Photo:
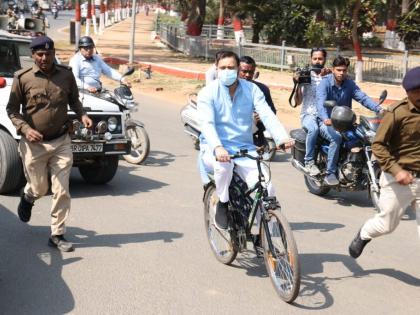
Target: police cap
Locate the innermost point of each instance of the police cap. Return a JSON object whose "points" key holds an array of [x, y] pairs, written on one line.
{"points": [[411, 80], [42, 42]]}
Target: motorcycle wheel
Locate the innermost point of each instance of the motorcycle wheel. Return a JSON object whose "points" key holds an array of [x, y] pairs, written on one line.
{"points": [[316, 187], [140, 144]]}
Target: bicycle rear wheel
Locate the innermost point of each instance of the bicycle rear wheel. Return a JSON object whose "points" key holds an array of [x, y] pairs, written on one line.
{"points": [[283, 266], [221, 242]]}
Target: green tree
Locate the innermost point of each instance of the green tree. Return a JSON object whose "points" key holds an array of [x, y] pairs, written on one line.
{"points": [[408, 26]]}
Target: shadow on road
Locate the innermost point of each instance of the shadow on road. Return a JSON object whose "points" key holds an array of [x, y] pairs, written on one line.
{"points": [[31, 279], [159, 158], [125, 183], [314, 292], [323, 227]]}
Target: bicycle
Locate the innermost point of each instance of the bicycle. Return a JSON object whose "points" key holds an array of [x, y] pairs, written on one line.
{"points": [[277, 241]]}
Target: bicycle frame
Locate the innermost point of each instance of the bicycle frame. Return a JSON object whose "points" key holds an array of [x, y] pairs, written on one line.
{"points": [[261, 193]]}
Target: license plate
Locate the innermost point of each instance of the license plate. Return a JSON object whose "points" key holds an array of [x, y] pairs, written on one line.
{"points": [[87, 147]]}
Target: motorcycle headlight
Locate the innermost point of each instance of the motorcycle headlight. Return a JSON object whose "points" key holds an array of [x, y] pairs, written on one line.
{"points": [[112, 123]]}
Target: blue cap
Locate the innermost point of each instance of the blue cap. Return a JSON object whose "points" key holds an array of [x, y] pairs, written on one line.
{"points": [[411, 79], [42, 42]]}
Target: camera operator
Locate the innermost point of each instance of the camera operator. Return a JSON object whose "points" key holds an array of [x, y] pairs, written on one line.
{"points": [[308, 80]]}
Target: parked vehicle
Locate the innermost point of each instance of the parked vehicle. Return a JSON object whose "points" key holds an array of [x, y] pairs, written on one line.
{"points": [[96, 151], [357, 168], [189, 119]]}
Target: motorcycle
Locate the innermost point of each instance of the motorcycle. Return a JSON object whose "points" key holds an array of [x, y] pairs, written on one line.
{"points": [[189, 118], [357, 168], [135, 130]]}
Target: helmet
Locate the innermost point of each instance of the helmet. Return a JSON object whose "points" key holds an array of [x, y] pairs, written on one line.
{"points": [[86, 41], [342, 118]]}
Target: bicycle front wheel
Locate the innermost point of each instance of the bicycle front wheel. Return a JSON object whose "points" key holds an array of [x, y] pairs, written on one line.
{"points": [[221, 242], [282, 261]]}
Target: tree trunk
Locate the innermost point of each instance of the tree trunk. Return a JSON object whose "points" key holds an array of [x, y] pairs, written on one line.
{"points": [[196, 17], [221, 21], [405, 7], [356, 43]]}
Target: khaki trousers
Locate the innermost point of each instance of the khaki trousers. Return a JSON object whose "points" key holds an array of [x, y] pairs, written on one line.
{"points": [[49, 157], [394, 199]]}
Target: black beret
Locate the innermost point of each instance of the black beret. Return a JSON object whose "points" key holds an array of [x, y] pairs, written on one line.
{"points": [[411, 79], [42, 42]]}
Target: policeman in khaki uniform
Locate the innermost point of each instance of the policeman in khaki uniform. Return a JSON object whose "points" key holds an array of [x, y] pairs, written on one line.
{"points": [[44, 91], [397, 148]]}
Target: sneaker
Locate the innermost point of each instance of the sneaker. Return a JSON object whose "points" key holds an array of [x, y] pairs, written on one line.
{"points": [[312, 169], [256, 241], [331, 180], [357, 245], [60, 243], [24, 209], [220, 218]]}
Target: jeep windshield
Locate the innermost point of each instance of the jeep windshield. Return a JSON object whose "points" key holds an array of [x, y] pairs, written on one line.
{"points": [[14, 55]]}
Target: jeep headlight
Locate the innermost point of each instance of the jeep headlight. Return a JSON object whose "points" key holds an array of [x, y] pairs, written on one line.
{"points": [[112, 123]]}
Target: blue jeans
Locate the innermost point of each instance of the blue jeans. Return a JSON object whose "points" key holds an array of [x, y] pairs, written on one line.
{"points": [[334, 137], [310, 123]]}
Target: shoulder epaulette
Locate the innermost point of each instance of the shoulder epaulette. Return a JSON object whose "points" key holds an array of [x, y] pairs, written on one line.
{"points": [[63, 66], [394, 106], [19, 73]]}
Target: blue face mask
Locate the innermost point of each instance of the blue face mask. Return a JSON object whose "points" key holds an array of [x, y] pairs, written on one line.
{"points": [[227, 76]]}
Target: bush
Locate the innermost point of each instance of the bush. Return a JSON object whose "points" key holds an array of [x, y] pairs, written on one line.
{"points": [[372, 42], [317, 34]]}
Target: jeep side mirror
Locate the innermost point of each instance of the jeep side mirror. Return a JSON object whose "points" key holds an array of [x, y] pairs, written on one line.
{"points": [[383, 96], [330, 104]]}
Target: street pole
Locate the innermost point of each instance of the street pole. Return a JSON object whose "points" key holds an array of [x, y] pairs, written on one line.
{"points": [[133, 32], [77, 24]]}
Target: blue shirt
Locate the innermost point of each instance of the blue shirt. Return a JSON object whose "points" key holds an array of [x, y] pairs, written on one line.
{"points": [[88, 71], [228, 122], [343, 95]]}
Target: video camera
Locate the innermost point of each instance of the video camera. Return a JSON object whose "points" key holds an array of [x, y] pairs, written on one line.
{"points": [[305, 73]]}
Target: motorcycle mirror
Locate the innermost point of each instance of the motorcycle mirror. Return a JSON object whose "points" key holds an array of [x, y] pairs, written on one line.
{"points": [[330, 104], [383, 96], [130, 71]]}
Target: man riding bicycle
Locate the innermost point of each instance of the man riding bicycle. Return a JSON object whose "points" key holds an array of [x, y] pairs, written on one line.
{"points": [[225, 112], [87, 67], [339, 88]]}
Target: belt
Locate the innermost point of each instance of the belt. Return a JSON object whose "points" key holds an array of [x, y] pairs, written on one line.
{"points": [[50, 138]]}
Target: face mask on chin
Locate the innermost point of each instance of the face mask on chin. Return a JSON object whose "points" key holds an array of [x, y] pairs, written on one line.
{"points": [[227, 76]]}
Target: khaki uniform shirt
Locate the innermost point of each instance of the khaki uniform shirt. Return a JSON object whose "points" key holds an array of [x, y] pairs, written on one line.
{"points": [[44, 99], [397, 141]]}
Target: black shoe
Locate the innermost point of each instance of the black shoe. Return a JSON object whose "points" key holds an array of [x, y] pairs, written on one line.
{"points": [[60, 243], [357, 245], [220, 218], [256, 241], [24, 209]]}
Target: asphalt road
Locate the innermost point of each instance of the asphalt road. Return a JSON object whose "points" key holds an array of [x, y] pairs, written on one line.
{"points": [[141, 247]]}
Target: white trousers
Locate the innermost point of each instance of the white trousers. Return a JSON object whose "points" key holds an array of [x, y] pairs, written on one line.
{"points": [[223, 171], [394, 199], [239, 37]]}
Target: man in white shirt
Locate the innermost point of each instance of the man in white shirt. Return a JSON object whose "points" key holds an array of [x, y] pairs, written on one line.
{"points": [[87, 67]]}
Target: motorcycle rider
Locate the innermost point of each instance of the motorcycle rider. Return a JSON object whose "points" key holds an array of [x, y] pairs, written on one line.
{"points": [[247, 67], [306, 93], [225, 113], [211, 73], [87, 67], [11, 22], [39, 14], [339, 88], [397, 149]]}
